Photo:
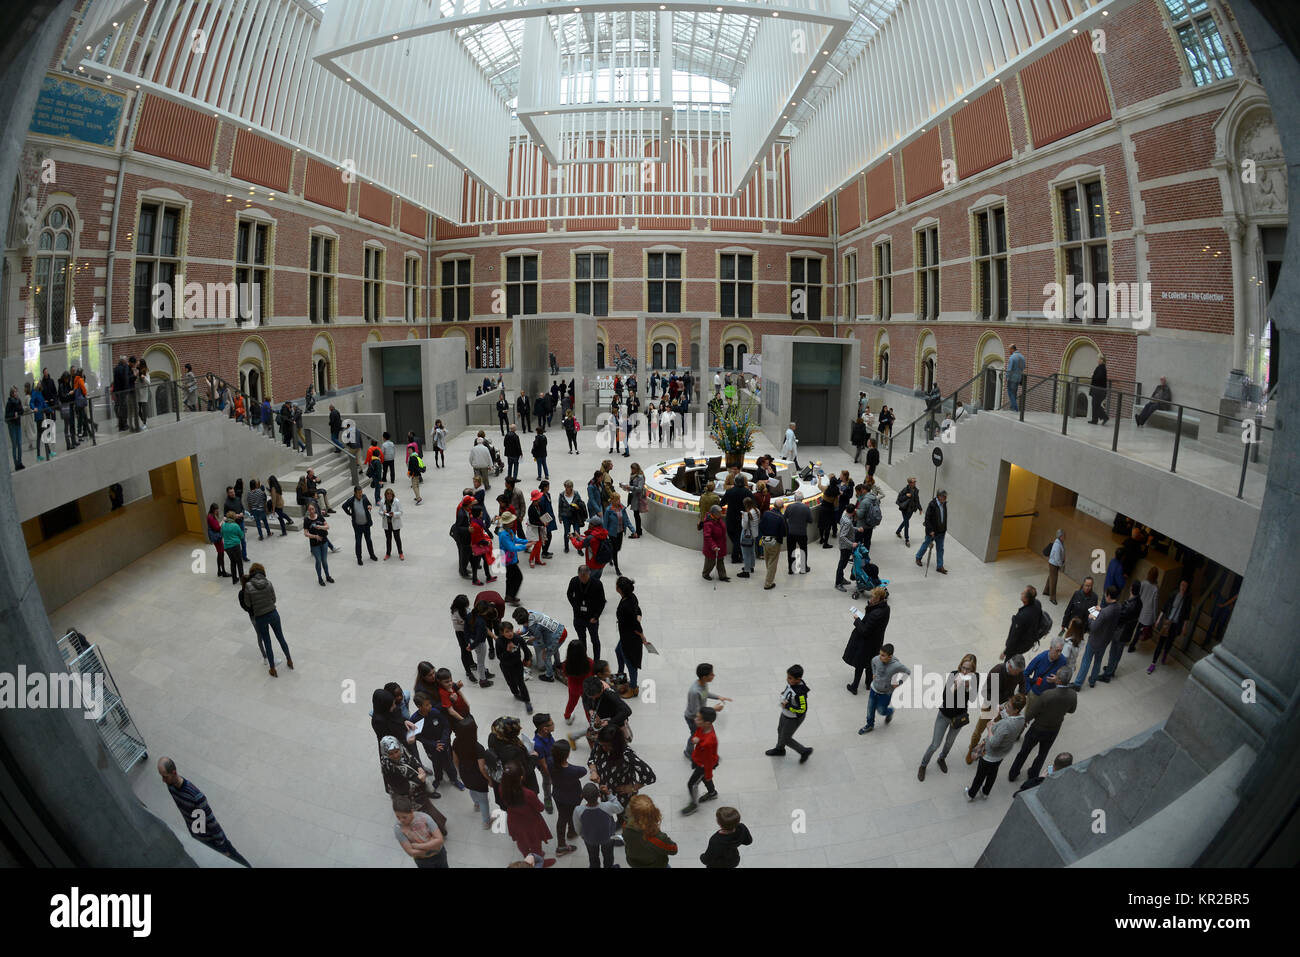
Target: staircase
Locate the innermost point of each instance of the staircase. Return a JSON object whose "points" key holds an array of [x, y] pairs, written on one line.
{"points": [[332, 474]]}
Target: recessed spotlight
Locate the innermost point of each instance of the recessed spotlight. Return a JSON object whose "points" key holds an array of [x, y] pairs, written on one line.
{"points": [[429, 165], [997, 79], [1075, 30], [814, 72], [826, 53], [394, 36], [1105, 13], [348, 80], [776, 13]]}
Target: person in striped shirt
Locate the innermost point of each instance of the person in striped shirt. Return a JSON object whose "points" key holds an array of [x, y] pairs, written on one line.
{"points": [[192, 803]]}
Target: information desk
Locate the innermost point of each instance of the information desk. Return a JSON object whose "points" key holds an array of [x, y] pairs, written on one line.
{"points": [[672, 513]]}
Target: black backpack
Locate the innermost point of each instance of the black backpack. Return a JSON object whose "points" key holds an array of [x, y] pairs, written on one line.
{"points": [[1044, 627], [604, 553]]}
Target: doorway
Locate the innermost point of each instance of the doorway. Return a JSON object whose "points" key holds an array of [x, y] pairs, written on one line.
{"points": [[810, 409], [408, 413], [1018, 509]]}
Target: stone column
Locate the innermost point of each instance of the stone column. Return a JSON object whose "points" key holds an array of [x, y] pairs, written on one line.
{"points": [[642, 366], [1236, 231]]}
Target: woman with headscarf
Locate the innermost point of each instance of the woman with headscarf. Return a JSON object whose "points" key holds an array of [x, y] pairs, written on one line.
{"points": [[404, 777], [386, 720]]}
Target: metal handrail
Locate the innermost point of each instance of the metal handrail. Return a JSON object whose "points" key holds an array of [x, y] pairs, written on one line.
{"points": [[929, 413]]}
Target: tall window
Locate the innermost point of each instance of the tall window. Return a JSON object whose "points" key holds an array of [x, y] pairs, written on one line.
{"points": [[455, 289], [54, 277], [736, 286], [372, 285], [411, 296], [521, 285], [591, 283], [320, 281], [805, 288], [733, 355], [927, 273], [883, 284], [600, 355], [850, 310], [252, 254], [991, 262], [157, 260], [663, 282], [1199, 35], [657, 356], [1084, 251]]}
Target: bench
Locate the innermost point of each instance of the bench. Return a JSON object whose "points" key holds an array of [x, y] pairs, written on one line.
{"points": [[1168, 422]]}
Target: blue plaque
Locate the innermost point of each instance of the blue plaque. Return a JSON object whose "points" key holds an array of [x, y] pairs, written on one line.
{"points": [[77, 111]]}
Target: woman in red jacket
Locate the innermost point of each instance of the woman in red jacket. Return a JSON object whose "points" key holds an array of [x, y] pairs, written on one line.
{"points": [[480, 547], [715, 544]]}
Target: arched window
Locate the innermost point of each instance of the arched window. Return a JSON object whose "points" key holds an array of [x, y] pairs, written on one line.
{"points": [[322, 376], [741, 352], [670, 355], [54, 275], [927, 374], [600, 355], [657, 356], [728, 356], [884, 365], [253, 384]]}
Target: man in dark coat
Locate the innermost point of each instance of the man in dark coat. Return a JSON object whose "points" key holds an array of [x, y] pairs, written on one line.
{"points": [[503, 413], [1081, 602], [936, 529], [1129, 610], [867, 637], [1099, 636], [1100, 383], [1026, 624], [514, 451], [521, 412], [734, 502]]}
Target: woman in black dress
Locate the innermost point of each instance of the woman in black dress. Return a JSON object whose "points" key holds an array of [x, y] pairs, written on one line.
{"points": [[631, 638], [616, 766]]}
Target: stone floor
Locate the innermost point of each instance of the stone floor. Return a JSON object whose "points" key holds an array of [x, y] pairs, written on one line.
{"points": [[289, 763]]}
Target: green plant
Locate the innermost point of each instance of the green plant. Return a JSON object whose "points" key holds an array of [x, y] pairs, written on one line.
{"points": [[733, 428]]}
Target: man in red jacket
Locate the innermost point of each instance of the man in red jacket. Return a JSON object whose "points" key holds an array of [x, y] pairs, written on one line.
{"points": [[715, 544], [704, 758]]}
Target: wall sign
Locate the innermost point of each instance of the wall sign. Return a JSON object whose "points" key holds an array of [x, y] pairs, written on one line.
{"points": [[78, 111]]}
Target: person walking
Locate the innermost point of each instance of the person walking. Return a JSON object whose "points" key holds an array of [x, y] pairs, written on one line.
{"points": [[631, 634], [996, 744], [522, 410], [503, 412], [573, 513], [1174, 617], [1055, 561], [438, 441], [1044, 714], [539, 454], [936, 529], [887, 673], [1026, 624], [514, 451], [704, 759], [480, 462], [511, 545], [571, 426], [909, 503], [316, 529], [749, 536], [255, 500], [858, 437], [259, 593], [480, 638], [959, 690], [1150, 595], [1003, 680], [1130, 611], [586, 597], [1097, 392], [415, 471], [794, 709], [867, 637], [715, 545], [392, 522], [615, 521], [194, 808], [1015, 377], [358, 509], [276, 497], [636, 498], [790, 446]]}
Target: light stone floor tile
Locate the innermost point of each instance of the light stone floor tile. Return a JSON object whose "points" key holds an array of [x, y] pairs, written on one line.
{"points": [[289, 763]]}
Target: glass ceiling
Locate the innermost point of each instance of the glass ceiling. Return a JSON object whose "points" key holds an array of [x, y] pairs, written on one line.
{"points": [[709, 49]]}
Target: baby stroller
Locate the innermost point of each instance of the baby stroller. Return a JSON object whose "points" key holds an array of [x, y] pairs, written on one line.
{"points": [[498, 463], [866, 575]]}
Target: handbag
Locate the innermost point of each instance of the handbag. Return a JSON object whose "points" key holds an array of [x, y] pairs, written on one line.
{"points": [[961, 720]]}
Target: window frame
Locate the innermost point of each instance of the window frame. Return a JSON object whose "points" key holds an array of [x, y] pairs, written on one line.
{"points": [[882, 282], [997, 262], [1212, 63], [43, 303], [669, 285], [523, 286], [849, 283], [593, 284], [374, 302], [260, 271], [814, 303], [155, 260], [462, 293], [739, 286], [411, 286], [322, 278], [926, 260], [1087, 244]]}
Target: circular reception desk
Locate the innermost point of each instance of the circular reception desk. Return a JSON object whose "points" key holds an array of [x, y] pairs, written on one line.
{"points": [[673, 507]]}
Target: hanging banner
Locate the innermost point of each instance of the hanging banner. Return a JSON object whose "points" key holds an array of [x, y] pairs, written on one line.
{"points": [[78, 111]]}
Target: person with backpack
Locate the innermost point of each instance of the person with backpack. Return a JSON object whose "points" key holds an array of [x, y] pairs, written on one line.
{"points": [[1028, 625], [868, 511], [596, 545], [571, 428], [909, 503], [415, 469]]}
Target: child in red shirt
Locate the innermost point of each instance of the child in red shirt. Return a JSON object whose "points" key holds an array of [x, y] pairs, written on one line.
{"points": [[704, 758]]}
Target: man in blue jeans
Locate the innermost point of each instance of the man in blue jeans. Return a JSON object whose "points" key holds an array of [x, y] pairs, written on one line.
{"points": [[1099, 636], [886, 674], [1015, 376], [936, 528]]}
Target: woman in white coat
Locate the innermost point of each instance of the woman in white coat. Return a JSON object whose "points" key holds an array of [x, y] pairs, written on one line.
{"points": [[142, 384], [392, 521], [790, 447]]}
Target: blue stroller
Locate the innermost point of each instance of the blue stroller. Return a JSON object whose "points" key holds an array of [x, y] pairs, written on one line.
{"points": [[866, 575]]}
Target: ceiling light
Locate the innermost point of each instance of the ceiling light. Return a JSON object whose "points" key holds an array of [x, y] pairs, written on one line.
{"points": [[348, 80], [776, 13], [814, 72], [1105, 13], [394, 36], [997, 79], [1075, 30], [429, 165]]}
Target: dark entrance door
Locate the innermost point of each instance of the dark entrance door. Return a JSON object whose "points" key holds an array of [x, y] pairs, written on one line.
{"points": [[408, 415], [810, 411], [989, 394]]}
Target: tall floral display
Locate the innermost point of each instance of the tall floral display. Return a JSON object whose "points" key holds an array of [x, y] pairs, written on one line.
{"points": [[733, 430]]}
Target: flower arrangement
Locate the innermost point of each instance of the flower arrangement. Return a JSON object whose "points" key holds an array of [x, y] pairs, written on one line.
{"points": [[733, 428]]}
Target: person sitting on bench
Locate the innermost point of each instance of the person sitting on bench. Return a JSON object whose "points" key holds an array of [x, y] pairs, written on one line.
{"points": [[1160, 399]]}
